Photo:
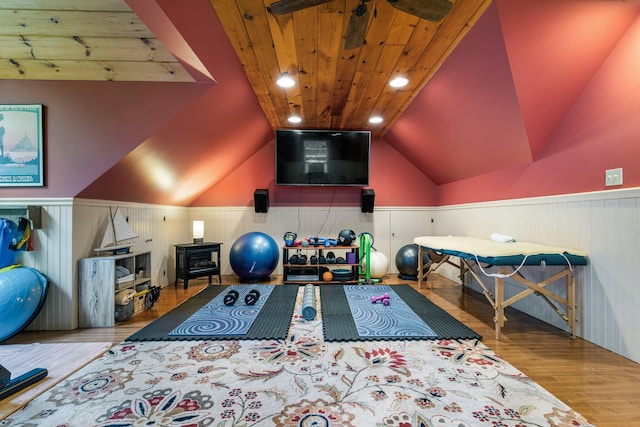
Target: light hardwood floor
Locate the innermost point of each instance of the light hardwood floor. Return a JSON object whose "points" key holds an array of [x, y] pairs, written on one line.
{"points": [[602, 386]]}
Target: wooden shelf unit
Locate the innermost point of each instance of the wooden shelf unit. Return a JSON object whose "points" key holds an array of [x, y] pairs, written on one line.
{"points": [[99, 284]]}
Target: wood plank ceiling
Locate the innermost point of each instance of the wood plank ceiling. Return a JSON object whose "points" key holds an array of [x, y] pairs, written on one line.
{"points": [[81, 40], [337, 88]]}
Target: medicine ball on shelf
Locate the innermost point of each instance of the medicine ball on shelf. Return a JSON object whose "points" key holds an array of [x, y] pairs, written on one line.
{"points": [[346, 237]]}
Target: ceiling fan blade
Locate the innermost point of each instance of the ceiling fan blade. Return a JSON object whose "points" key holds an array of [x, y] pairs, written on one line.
{"points": [[431, 10], [357, 30], [287, 6]]}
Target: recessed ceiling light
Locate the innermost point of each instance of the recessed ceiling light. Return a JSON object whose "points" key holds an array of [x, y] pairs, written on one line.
{"points": [[399, 82], [285, 81], [375, 120], [294, 119]]}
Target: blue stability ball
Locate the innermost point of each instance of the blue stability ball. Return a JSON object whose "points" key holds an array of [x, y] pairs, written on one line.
{"points": [[23, 291], [254, 256]]}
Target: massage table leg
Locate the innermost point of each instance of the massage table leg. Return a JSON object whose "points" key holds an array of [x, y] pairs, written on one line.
{"points": [[499, 307], [421, 274], [571, 305]]}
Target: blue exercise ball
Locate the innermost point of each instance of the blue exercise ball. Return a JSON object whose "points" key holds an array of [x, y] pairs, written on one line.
{"points": [[254, 256], [23, 291]]}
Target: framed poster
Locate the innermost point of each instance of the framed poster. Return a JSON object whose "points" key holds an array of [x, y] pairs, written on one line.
{"points": [[21, 146]]}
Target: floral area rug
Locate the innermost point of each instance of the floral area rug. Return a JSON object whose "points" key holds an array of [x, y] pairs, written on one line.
{"points": [[300, 381]]}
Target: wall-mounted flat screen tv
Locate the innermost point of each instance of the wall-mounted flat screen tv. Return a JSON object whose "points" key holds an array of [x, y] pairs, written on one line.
{"points": [[322, 157]]}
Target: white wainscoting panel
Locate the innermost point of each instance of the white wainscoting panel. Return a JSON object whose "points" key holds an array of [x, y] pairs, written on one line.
{"points": [[52, 256], [605, 225]]}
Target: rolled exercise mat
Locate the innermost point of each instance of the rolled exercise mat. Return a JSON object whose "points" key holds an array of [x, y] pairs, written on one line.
{"points": [[309, 302]]}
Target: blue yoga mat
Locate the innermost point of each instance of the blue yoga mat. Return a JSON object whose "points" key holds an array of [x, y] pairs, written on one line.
{"points": [[377, 320], [215, 318]]}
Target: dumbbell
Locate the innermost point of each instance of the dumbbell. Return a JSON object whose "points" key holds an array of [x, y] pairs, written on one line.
{"points": [[384, 299], [231, 297], [252, 297]]}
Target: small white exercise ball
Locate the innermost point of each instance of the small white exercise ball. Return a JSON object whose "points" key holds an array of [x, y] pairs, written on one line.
{"points": [[379, 264]]}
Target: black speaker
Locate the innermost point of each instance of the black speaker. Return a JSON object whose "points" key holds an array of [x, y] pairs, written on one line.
{"points": [[261, 200], [366, 199]]}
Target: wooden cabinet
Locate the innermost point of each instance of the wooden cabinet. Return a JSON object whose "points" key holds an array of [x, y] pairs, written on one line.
{"points": [[310, 271], [197, 260], [101, 277]]}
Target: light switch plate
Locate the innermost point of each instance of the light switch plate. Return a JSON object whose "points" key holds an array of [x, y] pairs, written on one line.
{"points": [[613, 177]]}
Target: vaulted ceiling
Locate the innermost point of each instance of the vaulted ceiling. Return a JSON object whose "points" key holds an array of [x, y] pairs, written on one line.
{"points": [[489, 85], [335, 87], [338, 87]]}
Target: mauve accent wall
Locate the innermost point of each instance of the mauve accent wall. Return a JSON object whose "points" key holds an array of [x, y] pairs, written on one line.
{"points": [[555, 78], [91, 126], [472, 134], [396, 182], [601, 131]]}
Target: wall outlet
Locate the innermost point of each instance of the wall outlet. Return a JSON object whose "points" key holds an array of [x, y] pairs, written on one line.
{"points": [[613, 177]]}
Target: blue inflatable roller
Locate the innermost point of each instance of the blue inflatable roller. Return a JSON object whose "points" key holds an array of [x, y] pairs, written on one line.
{"points": [[23, 291]]}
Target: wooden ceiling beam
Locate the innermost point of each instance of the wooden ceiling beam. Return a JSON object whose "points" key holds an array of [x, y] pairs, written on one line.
{"points": [[64, 23], [84, 48], [79, 5], [33, 69]]}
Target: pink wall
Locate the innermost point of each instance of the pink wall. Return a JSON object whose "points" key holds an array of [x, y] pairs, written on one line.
{"points": [[467, 120], [210, 137], [554, 49], [396, 182], [91, 126], [599, 132], [493, 124]]}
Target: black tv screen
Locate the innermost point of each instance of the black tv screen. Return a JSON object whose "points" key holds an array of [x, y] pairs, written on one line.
{"points": [[320, 157]]}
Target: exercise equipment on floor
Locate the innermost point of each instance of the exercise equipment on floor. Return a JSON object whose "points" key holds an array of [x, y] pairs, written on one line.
{"points": [[383, 299], [251, 298], [407, 262], [231, 297], [9, 386], [379, 264], [254, 256], [23, 291], [373, 264], [309, 302]]}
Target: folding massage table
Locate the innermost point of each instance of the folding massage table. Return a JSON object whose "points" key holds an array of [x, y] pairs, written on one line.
{"points": [[509, 257]]}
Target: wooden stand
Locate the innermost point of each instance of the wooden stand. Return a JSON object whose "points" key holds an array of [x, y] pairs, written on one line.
{"points": [[498, 302]]}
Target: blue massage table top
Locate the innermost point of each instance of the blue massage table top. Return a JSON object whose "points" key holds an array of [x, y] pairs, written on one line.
{"points": [[501, 253]]}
